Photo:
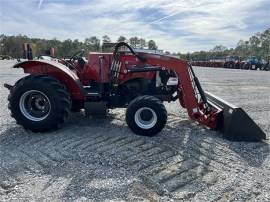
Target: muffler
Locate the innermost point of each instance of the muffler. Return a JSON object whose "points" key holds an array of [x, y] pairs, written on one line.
{"points": [[234, 122]]}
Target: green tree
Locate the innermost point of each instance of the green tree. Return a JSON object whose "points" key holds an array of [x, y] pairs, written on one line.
{"points": [[66, 48], [258, 45], [219, 48], [142, 43], [122, 39], [106, 39], [134, 41], [92, 43], [265, 43], [152, 45]]}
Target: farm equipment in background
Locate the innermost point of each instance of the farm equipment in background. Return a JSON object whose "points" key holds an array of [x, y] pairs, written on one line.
{"points": [[211, 63], [233, 62], [266, 64], [239, 63], [229, 62], [216, 63], [138, 81], [253, 63], [27, 51], [49, 54]]}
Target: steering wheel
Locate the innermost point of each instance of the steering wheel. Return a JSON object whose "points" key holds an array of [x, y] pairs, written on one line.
{"points": [[77, 55], [116, 51]]}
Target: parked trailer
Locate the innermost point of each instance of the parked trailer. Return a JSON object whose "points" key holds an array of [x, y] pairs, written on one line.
{"points": [[216, 64], [235, 62]]}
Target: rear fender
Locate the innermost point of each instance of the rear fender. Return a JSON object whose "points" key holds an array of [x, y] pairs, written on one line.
{"points": [[56, 70]]}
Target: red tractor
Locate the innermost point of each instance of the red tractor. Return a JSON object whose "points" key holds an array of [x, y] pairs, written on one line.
{"points": [[138, 81]]}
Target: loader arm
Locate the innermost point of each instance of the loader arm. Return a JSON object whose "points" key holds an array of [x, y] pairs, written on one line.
{"points": [[191, 95], [206, 108]]}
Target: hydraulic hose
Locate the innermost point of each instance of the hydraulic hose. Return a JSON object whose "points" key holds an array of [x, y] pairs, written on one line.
{"points": [[198, 85], [117, 46]]}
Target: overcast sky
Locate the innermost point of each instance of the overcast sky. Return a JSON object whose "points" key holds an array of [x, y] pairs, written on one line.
{"points": [[187, 25]]}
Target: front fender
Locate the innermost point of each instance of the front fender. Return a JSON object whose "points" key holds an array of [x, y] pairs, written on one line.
{"points": [[56, 70]]}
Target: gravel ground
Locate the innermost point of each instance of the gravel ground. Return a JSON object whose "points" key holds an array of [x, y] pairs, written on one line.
{"points": [[102, 160]]}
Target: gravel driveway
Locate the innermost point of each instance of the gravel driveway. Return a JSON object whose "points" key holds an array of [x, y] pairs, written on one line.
{"points": [[101, 159]]}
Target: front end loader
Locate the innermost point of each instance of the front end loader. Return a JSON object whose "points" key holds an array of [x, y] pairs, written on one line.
{"points": [[138, 81]]}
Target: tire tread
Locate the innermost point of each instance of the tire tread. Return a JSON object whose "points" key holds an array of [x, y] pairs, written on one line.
{"points": [[142, 101], [63, 102]]}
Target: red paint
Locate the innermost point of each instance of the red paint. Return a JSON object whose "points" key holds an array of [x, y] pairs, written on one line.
{"points": [[91, 71], [187, 96], [57, 70]]}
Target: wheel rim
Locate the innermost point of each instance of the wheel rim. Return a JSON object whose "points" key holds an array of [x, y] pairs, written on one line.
{"points": [[145, 118], [35, 105]]}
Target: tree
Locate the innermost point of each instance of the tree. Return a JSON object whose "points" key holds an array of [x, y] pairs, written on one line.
{"points": [[219, 48], [69, 47], [134, 41], [92, 43], [258, 45], [152, 45], [106, 39], [255, 44], [142, 43], [265, 43], [137, 42], [122, 39]]}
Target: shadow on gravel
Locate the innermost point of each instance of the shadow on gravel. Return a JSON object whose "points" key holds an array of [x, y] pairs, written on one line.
{"points": [[254, 154], [197, 141], [71, 162], [40, 169]]}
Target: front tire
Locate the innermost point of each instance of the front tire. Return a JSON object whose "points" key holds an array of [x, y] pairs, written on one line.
{"points": [[39, 103], [247, 66], [146, 115]]}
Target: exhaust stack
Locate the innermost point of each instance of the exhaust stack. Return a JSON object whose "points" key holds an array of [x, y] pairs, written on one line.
{"points": [[234, 122]]}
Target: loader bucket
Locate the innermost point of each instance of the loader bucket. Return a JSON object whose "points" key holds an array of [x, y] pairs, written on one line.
{"points": [[234, 122]]}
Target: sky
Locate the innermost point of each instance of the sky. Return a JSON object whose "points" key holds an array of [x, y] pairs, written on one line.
{"points": [[176, 25]]}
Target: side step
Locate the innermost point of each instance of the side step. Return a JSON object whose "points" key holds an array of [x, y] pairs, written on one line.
{"points": [[91, 93], [234, 122], [96, 109]]}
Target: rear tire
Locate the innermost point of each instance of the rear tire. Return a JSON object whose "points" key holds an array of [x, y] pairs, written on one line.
{"points": [[146, 115], [39, 103], [246, 66], [231, 65]]}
